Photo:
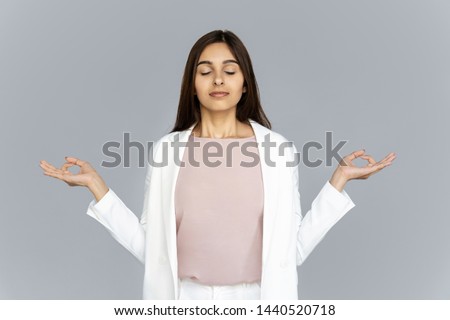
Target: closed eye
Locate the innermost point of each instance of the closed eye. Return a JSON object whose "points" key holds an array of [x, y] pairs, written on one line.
{"points": [[227, 72]]}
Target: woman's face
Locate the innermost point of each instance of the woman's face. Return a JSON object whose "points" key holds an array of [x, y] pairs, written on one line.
{"points": [[219, 82]]}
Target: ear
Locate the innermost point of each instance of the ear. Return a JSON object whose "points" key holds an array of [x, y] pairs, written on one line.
{"points": [[244, 89]]}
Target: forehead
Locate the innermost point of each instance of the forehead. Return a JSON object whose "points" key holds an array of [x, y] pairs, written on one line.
{"points": [[216, 52]]}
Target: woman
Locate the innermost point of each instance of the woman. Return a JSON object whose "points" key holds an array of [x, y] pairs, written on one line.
{"points": [[215, 231]]}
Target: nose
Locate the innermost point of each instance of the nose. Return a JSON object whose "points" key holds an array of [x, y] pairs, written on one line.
{"points": [[218, 81]]}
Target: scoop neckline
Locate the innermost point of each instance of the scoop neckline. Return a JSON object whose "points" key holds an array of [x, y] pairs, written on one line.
{"points": [[221, 139]]}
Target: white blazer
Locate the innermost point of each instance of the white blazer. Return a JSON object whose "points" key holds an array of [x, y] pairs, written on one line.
{"points": [[288, 238]]}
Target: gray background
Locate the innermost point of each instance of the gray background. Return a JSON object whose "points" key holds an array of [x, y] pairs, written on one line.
{"points": [[75, 74]]}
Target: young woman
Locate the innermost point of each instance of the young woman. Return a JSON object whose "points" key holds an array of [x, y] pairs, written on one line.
{"points": [[226, 227]]}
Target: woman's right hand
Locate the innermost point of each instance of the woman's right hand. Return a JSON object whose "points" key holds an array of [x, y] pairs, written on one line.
{"points": [[86, 177]]}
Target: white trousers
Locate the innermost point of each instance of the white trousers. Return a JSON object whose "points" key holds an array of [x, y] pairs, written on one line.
{"points": [[191, 290]]}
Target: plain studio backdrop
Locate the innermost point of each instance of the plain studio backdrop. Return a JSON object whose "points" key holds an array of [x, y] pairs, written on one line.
{"points": [[77, 74]]}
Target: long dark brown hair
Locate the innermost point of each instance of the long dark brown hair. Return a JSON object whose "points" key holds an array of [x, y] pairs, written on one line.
{"points": [[248, 107]]}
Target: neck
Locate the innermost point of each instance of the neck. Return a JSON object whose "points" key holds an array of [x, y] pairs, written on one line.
{"points": [[218, 125]]}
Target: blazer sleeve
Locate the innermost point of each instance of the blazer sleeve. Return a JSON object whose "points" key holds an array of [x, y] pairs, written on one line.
{"points": [[327, 209], [121, 222]]}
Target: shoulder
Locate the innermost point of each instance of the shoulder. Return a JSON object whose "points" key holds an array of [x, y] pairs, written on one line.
{"points": [[168, 137], [273, 136], [165, 139], [281, 148]]}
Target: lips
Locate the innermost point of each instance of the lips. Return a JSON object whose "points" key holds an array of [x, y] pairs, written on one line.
{"points": [[218, 94]]}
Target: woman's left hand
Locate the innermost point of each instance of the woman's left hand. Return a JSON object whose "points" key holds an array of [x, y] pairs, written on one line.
{"points": [[347, 171]]}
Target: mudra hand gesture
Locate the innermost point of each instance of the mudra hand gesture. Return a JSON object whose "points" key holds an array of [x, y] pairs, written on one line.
{"points": [[347, 170], [86, 177]]}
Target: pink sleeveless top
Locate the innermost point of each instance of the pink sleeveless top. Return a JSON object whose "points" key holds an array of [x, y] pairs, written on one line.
{"points": [[219, 211]]}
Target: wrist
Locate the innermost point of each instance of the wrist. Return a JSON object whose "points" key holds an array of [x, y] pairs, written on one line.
{"points": [[338, 180], [97, 187]]}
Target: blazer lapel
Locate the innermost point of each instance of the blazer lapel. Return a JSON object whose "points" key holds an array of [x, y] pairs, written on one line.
{"points": [[269, 177], [169, 182]]}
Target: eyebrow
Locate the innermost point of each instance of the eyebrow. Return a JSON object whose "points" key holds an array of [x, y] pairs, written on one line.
{"points": [[210, 63]]}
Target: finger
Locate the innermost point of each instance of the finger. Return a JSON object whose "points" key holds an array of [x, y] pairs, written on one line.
{"points": [[369, 170], [46, 164], [369, 158], [392, 160], [390, 157], [55, 171], [380, 165], [54, 175], [66, 165], [384, 162], [355, 154], [391, 154], [48, 167], [61, 177], [72, 160], [76, 161], [388, 163]]}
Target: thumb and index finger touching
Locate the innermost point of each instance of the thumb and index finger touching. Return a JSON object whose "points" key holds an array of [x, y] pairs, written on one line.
{"points": [[70, 161], [75, 161], [373, 164], [356, 154], [352, 156], [380, 164]]}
